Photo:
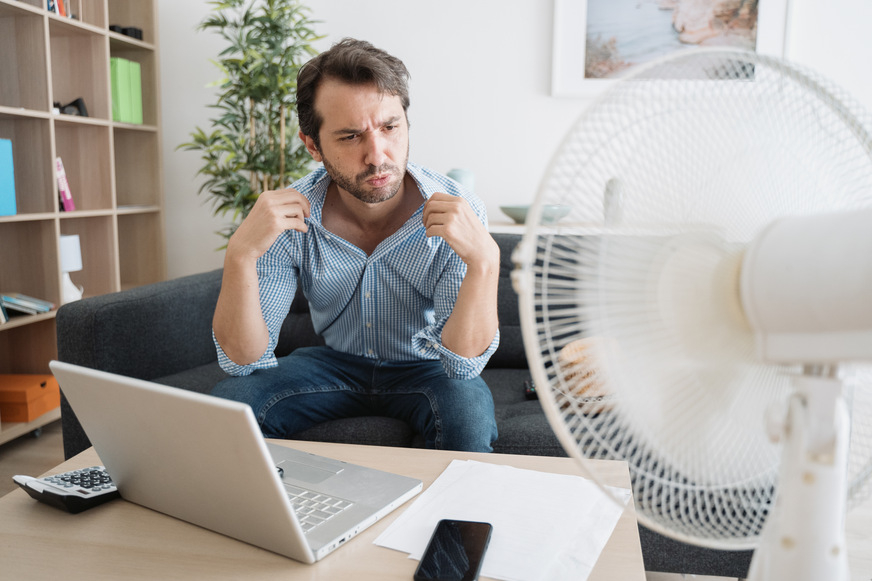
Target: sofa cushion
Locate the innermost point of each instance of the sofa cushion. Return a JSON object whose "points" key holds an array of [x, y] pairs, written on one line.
{"points": [[200, 379], [371, 430]]}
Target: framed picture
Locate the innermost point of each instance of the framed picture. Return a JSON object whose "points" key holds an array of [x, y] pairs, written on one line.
{"points": [[598, 41]]}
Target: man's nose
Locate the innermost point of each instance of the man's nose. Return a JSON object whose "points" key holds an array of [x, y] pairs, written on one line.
{"points": [[376, 148]]}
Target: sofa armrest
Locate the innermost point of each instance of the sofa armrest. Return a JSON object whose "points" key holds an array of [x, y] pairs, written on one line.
{"points": [[146, 332]]}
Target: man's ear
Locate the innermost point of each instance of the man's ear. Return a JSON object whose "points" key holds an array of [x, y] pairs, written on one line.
{"points": [[311, 147]]}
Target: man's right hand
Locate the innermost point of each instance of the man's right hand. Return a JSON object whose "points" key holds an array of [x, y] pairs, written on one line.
{"points": [[274, 212]]}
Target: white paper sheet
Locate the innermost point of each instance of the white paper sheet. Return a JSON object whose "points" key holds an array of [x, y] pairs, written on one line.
{"points": [[546, 526]]}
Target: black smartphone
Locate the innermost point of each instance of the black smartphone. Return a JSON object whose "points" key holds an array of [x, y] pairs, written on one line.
{"points": [[455, 552]]}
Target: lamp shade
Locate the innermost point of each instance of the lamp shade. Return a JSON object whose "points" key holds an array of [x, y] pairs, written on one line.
{"points": [[71, 253]]}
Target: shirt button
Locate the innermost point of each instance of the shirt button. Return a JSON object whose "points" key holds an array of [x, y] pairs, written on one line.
{"points": [[369, 351], [367, 295], [368, 325]]}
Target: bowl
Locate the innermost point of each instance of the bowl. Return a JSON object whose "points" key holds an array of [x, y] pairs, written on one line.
{"points": [[551, 213]]}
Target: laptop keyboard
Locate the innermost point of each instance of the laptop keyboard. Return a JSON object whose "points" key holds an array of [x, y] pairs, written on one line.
{"points": [[313, 508]]}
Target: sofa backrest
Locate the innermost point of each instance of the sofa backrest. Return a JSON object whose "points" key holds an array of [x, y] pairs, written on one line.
{"points": [[510, 353]]}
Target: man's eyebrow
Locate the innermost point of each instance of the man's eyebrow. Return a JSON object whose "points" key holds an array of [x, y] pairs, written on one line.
{"points": [[353, 131]]}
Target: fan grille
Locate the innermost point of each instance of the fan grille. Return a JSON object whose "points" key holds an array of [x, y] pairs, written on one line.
{"points": [[630, 304]]}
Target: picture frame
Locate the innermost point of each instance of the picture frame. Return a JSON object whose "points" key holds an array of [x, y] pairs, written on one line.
{"points": [[570, 41]]}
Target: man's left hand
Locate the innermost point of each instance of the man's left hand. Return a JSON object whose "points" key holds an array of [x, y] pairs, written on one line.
{"points": [[452, 219]]}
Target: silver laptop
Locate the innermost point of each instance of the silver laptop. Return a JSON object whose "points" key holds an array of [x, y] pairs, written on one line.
{"points": [[203, 459]]}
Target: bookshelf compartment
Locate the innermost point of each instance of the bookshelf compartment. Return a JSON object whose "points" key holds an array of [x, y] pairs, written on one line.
{"points": [[28, 348], [32, 162], [88, 11], [135, 13], [146, 59], [30, 263], [136, 157], [99, 274], [24, 63], [85, 152], [79, 67], [140, 249]]}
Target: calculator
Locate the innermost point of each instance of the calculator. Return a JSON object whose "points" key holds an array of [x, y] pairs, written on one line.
{"points": [[72, 491]]}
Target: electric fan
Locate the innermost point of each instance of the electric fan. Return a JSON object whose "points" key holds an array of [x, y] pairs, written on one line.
{"points": [[705, 310]]}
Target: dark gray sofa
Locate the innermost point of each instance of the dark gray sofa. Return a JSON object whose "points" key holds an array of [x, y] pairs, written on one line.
{"points": [[162, 332]]}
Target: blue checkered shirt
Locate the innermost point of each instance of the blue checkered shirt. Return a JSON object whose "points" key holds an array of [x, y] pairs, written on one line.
{"points": [[390, 305]]}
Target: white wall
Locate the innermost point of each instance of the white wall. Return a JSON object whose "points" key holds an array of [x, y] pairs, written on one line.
{"points": [[481, 72], [185, 70]]}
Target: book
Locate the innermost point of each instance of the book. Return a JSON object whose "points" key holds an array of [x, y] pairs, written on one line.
{"points": [[3, 315], [61, 10], [25, 303], [114, 82], [14, 308], [67, 204], [119, 71], [41, 304], [7, 179], [135, 95]]}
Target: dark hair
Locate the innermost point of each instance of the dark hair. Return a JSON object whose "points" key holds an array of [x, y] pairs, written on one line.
{"points": [[352, 61]]}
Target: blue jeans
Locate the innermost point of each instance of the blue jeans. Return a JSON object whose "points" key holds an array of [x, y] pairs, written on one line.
{"points": [[316, 384]]}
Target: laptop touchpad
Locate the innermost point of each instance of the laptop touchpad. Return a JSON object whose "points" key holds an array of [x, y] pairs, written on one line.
{"points": [[306, 472]]}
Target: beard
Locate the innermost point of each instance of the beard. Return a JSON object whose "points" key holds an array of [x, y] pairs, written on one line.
{"points": [[357, 186]]}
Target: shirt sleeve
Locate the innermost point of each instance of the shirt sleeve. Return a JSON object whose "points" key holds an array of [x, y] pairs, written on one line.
{"points": [[429, 338], [456, 366], [277, 283]]}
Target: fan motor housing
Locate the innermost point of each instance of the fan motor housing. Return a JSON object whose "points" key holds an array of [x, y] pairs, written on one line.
{"points": [[806, 288]]}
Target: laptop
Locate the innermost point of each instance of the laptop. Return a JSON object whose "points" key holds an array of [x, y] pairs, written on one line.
{"points": [[203, 459]]}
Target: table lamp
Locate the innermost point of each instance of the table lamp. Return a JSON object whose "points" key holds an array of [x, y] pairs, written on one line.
{"points": [[71, 261]]}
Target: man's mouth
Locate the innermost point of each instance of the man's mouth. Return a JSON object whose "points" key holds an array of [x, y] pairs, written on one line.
{"points": [[379, 180]]}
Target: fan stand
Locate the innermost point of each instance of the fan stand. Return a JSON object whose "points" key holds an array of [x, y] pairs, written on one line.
{"points": [[804, 536]]}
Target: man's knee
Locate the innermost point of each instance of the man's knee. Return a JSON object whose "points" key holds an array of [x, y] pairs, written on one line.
{"points": [[467, 418]]}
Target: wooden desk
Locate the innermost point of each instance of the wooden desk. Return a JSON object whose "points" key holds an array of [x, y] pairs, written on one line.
{"points": [[123, 540]]}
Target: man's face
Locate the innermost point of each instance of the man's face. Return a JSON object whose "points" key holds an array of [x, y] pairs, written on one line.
{"points": [[364, 139]]}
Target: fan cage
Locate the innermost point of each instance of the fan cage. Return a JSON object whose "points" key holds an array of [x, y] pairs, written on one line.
{"points": [[670, 174]]}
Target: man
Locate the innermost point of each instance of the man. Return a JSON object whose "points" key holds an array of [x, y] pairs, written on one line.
{"points": [[395, 260]]}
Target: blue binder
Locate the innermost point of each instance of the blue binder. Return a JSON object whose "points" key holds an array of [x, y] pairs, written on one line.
{"points": [[7, 179]]}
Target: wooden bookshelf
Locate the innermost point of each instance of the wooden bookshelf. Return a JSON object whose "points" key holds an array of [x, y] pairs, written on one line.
{"points": [[114, 169]]}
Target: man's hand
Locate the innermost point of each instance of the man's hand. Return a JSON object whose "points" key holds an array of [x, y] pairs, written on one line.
{"points": [[273, 213], [452, 219], [238, 322]]}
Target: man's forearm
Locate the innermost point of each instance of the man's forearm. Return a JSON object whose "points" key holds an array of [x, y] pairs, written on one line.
{"points": [[473, 323], [238, 322]]}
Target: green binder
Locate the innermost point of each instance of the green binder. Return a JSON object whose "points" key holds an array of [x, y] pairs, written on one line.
{"points": [[135, 72], [126, 90], [119, 70]]}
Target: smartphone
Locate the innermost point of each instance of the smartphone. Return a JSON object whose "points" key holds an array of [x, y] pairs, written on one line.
{"points": [[455, 552]]}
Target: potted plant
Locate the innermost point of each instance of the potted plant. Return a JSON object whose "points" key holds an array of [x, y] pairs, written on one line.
{"points": [[252, 144]]}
